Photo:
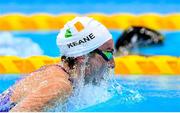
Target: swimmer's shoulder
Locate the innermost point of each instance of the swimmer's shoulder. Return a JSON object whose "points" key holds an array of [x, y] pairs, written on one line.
{"points": [[46, 78], [53, 70]]}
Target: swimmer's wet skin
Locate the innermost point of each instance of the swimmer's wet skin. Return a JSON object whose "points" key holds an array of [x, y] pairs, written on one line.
{"points": [[40, 90]]}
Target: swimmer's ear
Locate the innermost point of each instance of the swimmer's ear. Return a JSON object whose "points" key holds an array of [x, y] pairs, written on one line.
{"points": [[63, 58]]}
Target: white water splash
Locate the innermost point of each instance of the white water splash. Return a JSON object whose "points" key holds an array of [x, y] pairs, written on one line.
{"points": [[18, 46], [86, 95]]}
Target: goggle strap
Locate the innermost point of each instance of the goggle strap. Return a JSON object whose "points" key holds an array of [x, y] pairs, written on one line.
{"points": [[102, 54]]}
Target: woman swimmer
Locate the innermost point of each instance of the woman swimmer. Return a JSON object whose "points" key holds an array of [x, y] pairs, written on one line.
{"points": [[82, 41]]}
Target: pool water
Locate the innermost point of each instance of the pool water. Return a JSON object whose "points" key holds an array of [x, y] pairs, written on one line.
{"points": [[90, 6], [7, 80], [157, 94], [138, 93]]}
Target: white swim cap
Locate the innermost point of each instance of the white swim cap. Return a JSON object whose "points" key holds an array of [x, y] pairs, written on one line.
{"points": [[82, 35]]}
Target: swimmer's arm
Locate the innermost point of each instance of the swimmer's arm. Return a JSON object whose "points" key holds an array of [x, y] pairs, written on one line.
{"points": [[26, 85], [43, 97]]}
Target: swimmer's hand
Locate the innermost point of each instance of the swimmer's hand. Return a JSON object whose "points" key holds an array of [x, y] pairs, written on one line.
{"points": [[53, 87]]}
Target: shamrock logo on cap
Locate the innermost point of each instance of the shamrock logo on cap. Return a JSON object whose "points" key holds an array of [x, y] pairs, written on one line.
{"points": [[68, 33]]}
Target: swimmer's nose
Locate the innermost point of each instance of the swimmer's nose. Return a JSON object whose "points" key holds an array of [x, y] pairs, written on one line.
{"points": [[111, 64]]}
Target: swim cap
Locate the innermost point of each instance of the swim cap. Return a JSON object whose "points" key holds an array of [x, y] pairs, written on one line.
{"points": [[82, 35]]}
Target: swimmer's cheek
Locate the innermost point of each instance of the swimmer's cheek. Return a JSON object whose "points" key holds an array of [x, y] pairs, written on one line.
{"points": [[43, 97]]}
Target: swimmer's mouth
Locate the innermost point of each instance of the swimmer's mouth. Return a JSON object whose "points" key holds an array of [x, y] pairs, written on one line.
{"points": [[96, 77]]}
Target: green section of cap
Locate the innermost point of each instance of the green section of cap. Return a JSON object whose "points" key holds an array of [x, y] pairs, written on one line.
{"points": [[68, 33]]}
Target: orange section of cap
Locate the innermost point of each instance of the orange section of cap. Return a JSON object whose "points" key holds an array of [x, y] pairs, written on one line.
{"points": [[79, 26]]}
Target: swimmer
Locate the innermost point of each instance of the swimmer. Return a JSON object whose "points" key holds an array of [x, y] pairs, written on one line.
{"points": [[137, 36], [83, 42]]}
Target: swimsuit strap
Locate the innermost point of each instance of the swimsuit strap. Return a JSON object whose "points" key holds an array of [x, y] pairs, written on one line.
{"points": [[70, 79]]}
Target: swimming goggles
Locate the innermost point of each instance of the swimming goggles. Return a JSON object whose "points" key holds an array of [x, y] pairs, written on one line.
{"points": [[107, 55]]}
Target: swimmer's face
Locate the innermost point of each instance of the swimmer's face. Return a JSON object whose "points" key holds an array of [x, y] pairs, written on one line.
{"points": [[98, 64], [99, 61]]}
